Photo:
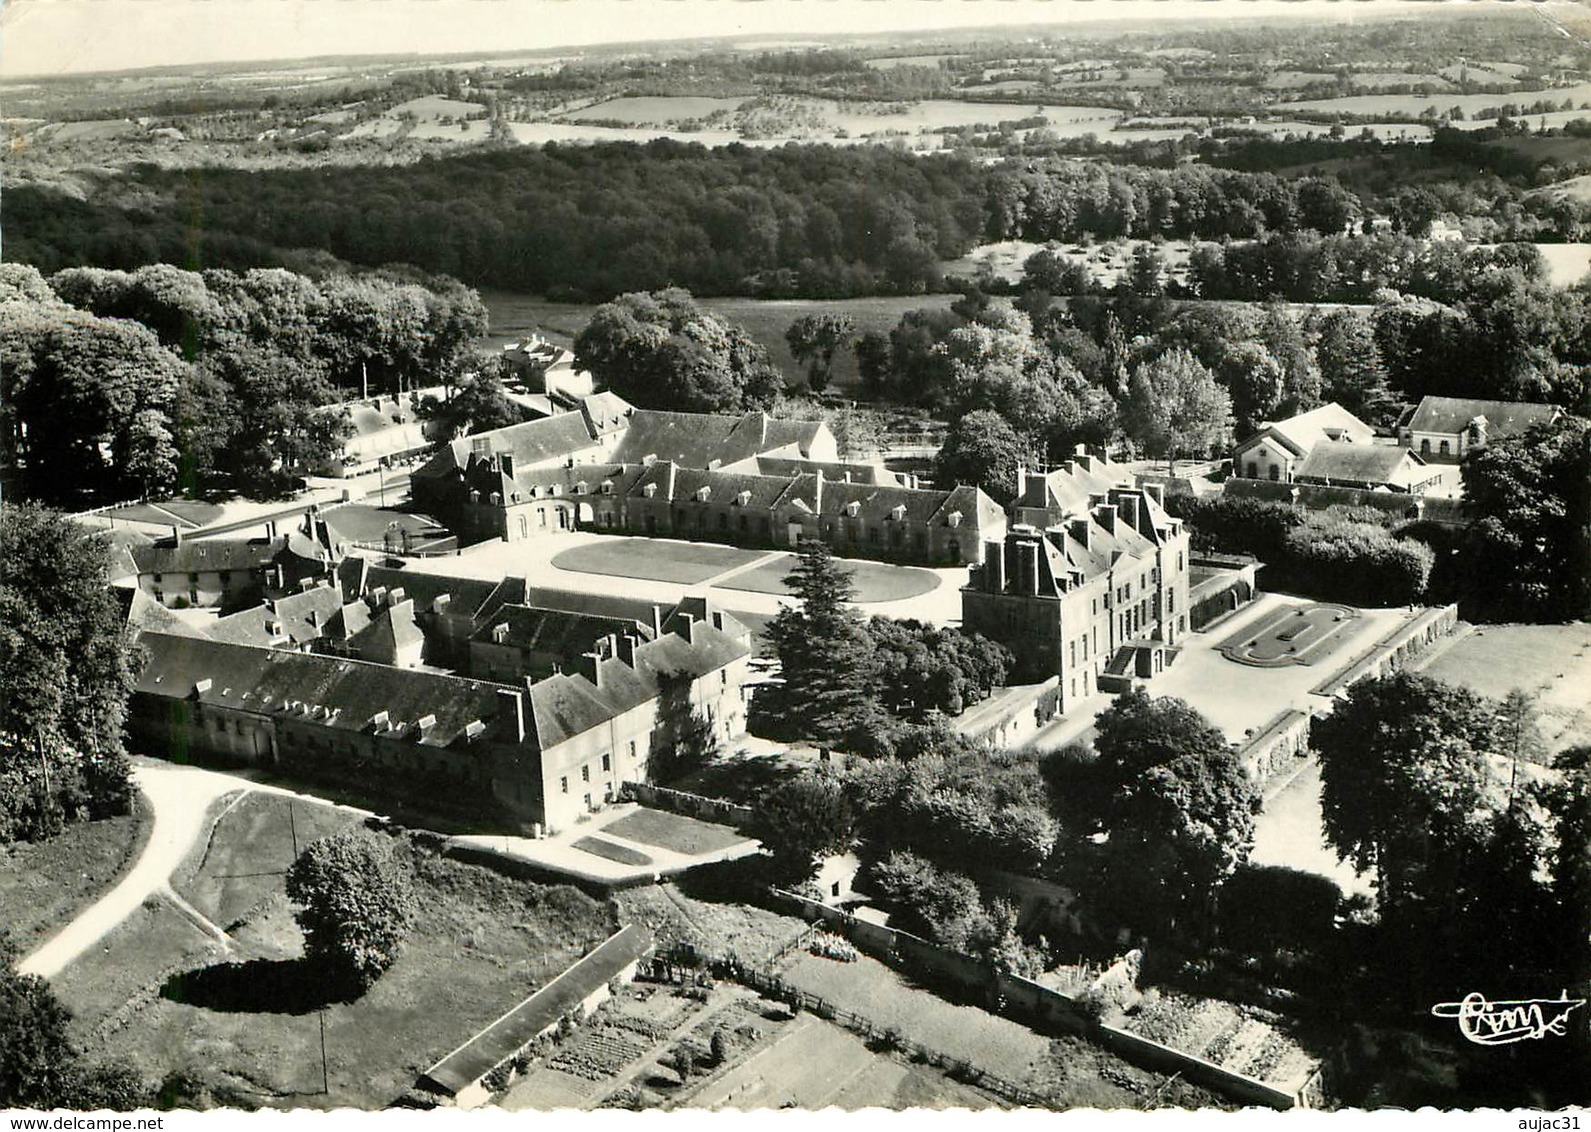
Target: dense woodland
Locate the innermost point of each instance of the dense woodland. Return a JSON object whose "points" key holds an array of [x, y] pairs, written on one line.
{"points": [[119, 384]]}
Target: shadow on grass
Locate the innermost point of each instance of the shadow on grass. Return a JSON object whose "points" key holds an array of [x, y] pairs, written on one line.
{"points": [[258, 986]]}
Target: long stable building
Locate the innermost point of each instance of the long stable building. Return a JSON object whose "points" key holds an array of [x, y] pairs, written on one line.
{"points": [[540, 745]]}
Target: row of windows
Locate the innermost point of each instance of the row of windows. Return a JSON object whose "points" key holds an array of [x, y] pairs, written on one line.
{"points": [[193, 577], [585, 771]]}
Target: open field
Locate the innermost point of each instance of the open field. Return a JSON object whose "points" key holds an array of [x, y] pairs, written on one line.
{"points": [[1551, 662], [687, 563], [163, 994], [249, 851], [674, 831], [1415, 104], [44, 885]]}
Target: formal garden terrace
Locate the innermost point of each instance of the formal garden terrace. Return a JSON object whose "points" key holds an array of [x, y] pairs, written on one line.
{"points": [[1305, 634]]}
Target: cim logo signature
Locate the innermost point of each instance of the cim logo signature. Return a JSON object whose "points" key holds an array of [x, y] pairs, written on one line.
{"points": [[1504, 1022]]}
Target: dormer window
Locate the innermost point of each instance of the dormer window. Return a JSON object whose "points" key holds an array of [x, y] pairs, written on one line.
{"points": [[580, 487], [703, 494], [743, 499], [953, 519], [607, 487], [853, 509], [649, 490], [898, 513]]}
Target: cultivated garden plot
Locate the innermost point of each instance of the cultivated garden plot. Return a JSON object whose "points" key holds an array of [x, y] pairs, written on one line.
{"points": [[1244, 1040], [674, 832]]}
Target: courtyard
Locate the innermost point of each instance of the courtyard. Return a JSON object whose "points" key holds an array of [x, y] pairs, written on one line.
{"points": [[747, 583]]}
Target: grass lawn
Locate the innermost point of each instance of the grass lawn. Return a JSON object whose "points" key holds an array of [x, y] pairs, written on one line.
{"points": [[164, 996], [44, 885], [875, 581], [1552, 662], [250, 850], [686, 563], [612, 851], [192, 512], [674, 831]]}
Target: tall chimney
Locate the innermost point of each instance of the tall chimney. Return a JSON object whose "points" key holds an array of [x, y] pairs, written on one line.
{"points": [[1105, 516], [994, 555], [176, 535], [1030, 551], [506, 463], [817, 495], [1021, 481], [626, 650], [657, 621], [1079, 529]]}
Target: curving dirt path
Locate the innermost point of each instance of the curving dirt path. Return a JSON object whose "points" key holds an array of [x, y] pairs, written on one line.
{"points": [[180, 798]]}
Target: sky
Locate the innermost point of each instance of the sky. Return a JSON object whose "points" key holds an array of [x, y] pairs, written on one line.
{"points": [[52, 37]]}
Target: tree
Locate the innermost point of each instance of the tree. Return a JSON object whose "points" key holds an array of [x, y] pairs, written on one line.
{"points": [[829, 687], [1284, 338], [1351, 372], [1403, 774], [1530, 535], [477, 404], [355, 905], [1175, 407], [66, 664], [1054, 272], [1178, 812], [814, 339], [37, 1059], [982, 449], [925, 668], [801, 819], [660, 350]]}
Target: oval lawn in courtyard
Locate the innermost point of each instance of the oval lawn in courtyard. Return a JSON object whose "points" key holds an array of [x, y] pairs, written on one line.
{"points": [[875, 581]]}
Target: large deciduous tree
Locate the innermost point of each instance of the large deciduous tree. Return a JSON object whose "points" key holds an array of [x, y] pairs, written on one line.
{"points": [[982, 449], [355, 905], [800, 820], [37, 1059], [1530, 536], [1351, 371], [660, 350], [814, 339], [1177, 811], [66, 671], [829, 687], [1175, 407]]}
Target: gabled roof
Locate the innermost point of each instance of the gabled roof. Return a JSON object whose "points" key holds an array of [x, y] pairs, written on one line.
{"points": [[1358, 463], [1067, 489], [1300, 433], [606, 413], [1452, 415], [391, 630], [347, 693], [195, 555]]}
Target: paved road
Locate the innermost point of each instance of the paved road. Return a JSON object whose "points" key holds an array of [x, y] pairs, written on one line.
{"points": [[180, 798]]}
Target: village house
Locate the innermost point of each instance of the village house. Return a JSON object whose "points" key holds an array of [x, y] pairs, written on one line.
{"points": [[229, 573], [543, 752], [383, 431], [1444, 430], [1097, 599], [1279, 449]]}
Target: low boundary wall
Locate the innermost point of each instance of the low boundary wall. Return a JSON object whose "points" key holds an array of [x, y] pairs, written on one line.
{"points": [[1394, 650], [683, 802], [1034, 1004]]}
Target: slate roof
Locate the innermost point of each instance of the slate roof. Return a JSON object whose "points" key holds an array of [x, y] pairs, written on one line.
{"points": [[699, 440], [194, 556], [263, 680], [1358, 463], [1067, 489], [565, 705], [392, 629], [510, 1033], [1452, 415], [551, 631], [790, 466], [1301, 433]]}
